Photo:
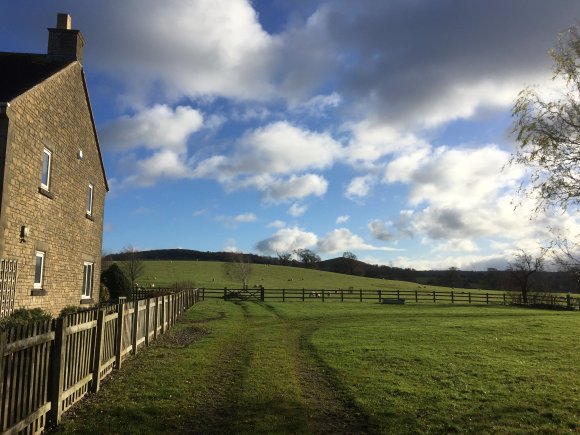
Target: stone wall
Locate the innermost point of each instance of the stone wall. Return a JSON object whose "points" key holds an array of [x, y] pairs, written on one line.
{"points": [[53, 115]]}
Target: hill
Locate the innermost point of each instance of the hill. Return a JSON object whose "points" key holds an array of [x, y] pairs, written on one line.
{"points": [[491, 279]]}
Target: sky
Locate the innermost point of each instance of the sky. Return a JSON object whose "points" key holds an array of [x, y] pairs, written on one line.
{"points": [[379, 127]]}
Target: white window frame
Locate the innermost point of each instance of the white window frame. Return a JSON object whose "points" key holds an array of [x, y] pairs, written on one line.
{"points": [[42, 256], [87, 290], [48, 153], [90, 200]]}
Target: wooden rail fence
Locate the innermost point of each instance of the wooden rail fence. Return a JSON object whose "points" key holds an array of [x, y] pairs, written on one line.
{"points": [[414, 296], [49, 366]]}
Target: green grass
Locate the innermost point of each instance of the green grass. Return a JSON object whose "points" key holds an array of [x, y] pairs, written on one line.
{"points": [[354, 368], [210, 274]]}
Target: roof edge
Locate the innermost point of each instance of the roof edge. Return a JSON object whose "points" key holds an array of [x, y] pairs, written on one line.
{"points": [[94, 127]]}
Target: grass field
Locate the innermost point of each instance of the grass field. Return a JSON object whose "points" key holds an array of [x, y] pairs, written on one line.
{"points": [[211, 274], [252, 367]]}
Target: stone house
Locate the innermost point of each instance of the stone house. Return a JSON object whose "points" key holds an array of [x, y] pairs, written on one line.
{"points": [[52, 178]]}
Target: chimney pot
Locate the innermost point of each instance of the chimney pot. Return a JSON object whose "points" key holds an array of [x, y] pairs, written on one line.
{"points": [[63, 21]]}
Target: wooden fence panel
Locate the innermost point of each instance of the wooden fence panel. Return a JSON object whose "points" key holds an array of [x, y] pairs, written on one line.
{"points": [[24, 377], [48, 366], [79, 343]]}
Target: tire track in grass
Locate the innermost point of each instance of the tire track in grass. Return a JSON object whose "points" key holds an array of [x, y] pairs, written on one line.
{"points": [[218, 412], [332, 410]]}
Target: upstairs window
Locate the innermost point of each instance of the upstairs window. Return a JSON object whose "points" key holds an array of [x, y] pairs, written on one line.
{"points": [[39, 269], [46, 169], [87, 280], [90, 200]]}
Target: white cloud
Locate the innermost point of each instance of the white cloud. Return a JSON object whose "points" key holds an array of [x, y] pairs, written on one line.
{"points": [[245, 217], [359, 187], [282, 148], [276, 224], [341, 239], [370, 141], [342, 219], [318, 105], [204, 47], [233, 221], [231, 246], [158, 127], [297, 209], [380, 230], [287, 240]]}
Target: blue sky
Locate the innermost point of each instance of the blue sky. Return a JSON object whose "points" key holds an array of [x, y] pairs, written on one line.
{"points": [[377, 127]]}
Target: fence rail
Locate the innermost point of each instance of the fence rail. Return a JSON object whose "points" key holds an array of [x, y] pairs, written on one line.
{"points": [[49, 366], [413, 296]]}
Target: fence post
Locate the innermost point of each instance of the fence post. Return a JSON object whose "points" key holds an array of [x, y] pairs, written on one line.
{"points": [[302, 295], [452, 297], [163, 314], [57, 372], [487, 298], [398, 294], [361, 298], [283, 295], [380, 296], [322, 295], [469, 297], [147, 319], [262, 294], [99, 339], [416, 296], [203, 294], [134, 325], [156, 318], [119, 336], [504, 299], [225, 293], [569, 301], [341, 295], [434, 297]]}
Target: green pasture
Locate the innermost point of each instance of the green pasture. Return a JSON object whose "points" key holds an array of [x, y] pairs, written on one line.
{"points": [[251, 367], [210, 274]]}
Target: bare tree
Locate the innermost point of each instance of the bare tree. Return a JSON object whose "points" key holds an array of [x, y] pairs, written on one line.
{"points": [[239, 268], [566, 255], [285, 258], [349, 255], [132, 265], [523, 266], [307, 257]]}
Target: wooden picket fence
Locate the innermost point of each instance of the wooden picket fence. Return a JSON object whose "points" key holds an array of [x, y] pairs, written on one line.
{"points": [[49, 366], [394, 296]]}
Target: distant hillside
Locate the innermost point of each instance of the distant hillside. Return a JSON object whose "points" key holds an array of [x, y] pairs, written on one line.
{"points": [[491, 279]]}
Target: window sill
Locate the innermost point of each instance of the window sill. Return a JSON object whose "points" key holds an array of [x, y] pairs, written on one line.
{"points": [[38, 292], [90, 217], [86, 301], [46, 193]]}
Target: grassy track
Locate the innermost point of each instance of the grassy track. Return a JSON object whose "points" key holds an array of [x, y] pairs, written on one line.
{"points": [[347, 368]]}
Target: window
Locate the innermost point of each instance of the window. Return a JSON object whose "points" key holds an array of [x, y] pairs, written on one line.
{"points": [[90, 201], [87, 280], [46, 163], [39, 269]]}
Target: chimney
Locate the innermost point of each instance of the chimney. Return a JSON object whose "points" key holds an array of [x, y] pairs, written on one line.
{"points": [[63, 42]]}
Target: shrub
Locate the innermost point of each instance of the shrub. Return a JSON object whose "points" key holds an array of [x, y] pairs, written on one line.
{"points": [[24, 316], [104, 294], [71, 309], [115, 280]]}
